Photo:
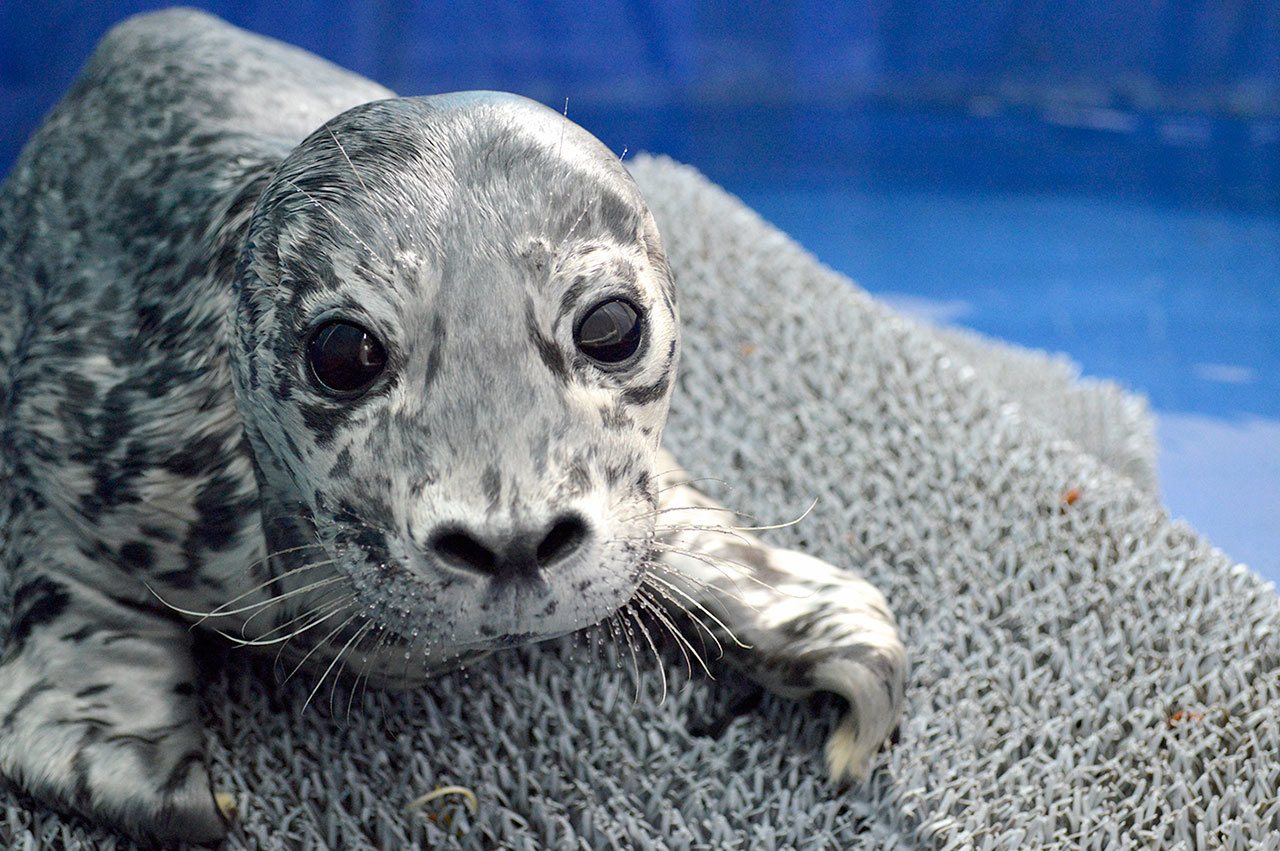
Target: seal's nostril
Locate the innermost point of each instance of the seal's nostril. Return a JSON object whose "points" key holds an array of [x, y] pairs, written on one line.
{"points": [[518, 557], [459, 549], [565, 536]]}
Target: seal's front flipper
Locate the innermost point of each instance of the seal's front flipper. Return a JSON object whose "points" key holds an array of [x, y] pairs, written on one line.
{"points": [[806, 625], [98, 711]]}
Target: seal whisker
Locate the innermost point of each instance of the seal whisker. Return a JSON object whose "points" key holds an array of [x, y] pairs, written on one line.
{"points": [[644, 630], [576, 222], [346, 157], [667, 530], [728, 531], [697, 604], [739, 572], [686, 646], [723, 564], [218, 611], [244, 627], [366, 656], [321, 643], [586, 208], [655, 512], [646, 604], [702, 631], [328, 606], [680, 600], [366, 669], [341, 653], [259, 642], [221, 611], [317, 615], [626, 635], [283, 552], [382, 223], [654, 563], [794, 522]]}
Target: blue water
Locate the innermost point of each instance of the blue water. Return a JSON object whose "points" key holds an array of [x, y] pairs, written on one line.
{"points": [[1181, 304]]}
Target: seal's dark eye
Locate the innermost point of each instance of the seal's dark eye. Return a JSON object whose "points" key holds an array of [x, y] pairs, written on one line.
{"points": [[610, 332], [345, 358]]}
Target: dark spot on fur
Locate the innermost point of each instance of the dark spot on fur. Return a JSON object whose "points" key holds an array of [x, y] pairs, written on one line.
{"points": [[618, 216], [156, 533], [434, 358], [24, 700], [647, 394], [547, 349], [81, 794], [573, 294], [199, 457], [90, 691], [36, 602], [323, 420], [184, 578], [341, 468], [132, 605], [219, 515], [491, 485], [80, 634], [357, 532], [615, 418], [136, 554]]}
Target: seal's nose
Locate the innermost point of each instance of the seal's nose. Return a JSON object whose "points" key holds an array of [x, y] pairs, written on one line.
{"points": [[519, 554]]}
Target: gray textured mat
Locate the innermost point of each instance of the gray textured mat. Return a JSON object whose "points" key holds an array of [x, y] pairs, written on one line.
{"points": [[1085, 675]]}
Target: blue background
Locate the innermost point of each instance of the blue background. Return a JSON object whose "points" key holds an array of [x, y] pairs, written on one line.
{"points": [[1165, 97], [1100, 177]]}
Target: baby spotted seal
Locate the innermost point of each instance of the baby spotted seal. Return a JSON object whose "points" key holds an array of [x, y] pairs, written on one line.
{"points": [[394, 386]]}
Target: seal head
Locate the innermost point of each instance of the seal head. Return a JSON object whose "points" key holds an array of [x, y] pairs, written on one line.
{"points": [[454, 343]]}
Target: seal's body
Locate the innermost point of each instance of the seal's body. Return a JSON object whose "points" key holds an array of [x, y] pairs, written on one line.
{"points": [[385, 394]]}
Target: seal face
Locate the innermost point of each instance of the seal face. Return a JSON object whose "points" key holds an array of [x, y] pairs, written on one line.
{"points": [[411, 369]]}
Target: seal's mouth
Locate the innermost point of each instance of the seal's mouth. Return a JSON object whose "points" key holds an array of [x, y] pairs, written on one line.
{"points": [[439, 613]]}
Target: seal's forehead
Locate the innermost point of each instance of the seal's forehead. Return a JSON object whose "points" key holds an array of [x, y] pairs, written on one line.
{"points": [[523, 119], [473, 135], [418, 177]]}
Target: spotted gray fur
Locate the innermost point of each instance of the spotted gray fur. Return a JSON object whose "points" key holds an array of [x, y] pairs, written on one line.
{"points": [[167, 240]]}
